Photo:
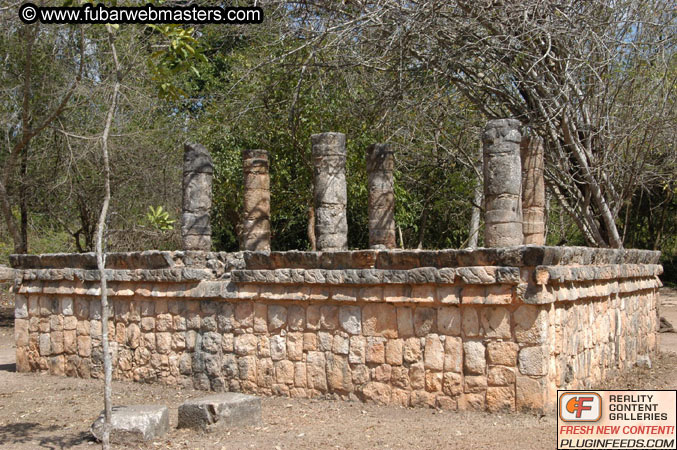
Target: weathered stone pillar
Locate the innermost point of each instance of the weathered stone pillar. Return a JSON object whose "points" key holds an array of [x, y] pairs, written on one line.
{"points": [[502, 183], [255, 233], [329, 175], [198, 170], [381, 201], [533, 190]]}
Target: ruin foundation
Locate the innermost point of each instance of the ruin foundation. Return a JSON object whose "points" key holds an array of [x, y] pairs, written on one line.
{"points": [[489, 329]]}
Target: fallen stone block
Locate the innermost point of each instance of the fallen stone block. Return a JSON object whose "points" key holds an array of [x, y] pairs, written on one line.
{"points": [[643, 361], [665, 326], [136, 423], [220, 410]]}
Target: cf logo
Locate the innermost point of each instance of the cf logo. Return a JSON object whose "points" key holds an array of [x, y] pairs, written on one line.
{"points": [[580, 406]]}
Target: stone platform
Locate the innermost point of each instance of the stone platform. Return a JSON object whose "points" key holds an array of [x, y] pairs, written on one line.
{"points": [[489, 329]]}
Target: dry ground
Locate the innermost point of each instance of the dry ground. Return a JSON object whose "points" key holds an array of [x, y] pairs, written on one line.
{"points": [[40, 411]]}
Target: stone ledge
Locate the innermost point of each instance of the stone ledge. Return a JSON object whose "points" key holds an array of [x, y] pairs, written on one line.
{"points": [[560, 274], [147, 260], [7, 273], [497, 293], [173, 275], [572, 291], [520, 256], [583, 290], [494, 293], [421, 275]]}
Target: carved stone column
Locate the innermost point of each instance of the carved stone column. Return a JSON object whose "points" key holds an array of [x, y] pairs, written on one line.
{"points": [[533, 190], [502, 183], [381, 201], [255, 233], [330, 196], [198, 170]]}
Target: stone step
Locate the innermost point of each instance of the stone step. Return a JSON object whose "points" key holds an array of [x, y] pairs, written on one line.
{"points": [[135, 423], [220, 410]]}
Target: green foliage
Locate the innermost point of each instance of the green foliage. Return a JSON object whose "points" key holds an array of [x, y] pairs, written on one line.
{"points": [[182, 53], [236, 88], [561, 229], [46, 240], [242, 102], [159, 219]]}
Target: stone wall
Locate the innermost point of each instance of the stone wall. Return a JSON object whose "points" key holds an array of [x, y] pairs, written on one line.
{"points": [[489, 329]]}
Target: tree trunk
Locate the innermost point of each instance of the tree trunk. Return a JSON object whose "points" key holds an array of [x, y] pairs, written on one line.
{"points": [[546, 218], [23, 200], [475, 216], [422, 227], [613, 239], [101, 257], [661, 227], [478, 198], [9, 218], [311, 228], [29, 132]]}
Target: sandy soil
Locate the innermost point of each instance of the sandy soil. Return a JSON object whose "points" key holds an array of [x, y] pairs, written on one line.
{"points": [[41, 411], [669, 311]]}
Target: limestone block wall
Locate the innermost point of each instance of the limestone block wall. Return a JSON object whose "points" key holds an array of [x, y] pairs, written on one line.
{"points": [[489, 329]]}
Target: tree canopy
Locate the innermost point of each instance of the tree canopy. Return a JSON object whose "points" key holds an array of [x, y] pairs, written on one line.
{"points": [[595, 79]]}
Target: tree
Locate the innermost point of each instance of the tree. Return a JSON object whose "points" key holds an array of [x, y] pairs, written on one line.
{"points": [[266, 88], [594, 79], [35, 112], [166, 88], [572, 71], [100, 255], [54, 186]]}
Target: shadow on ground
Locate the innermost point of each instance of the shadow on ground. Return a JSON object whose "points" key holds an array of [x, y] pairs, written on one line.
{"points": [[8, 367], [6, 317], [25, 432]]}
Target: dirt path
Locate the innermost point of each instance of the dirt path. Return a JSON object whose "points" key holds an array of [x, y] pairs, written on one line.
{"points": [[40, 411], [54, 412], [7, 349], [669, 311]]}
